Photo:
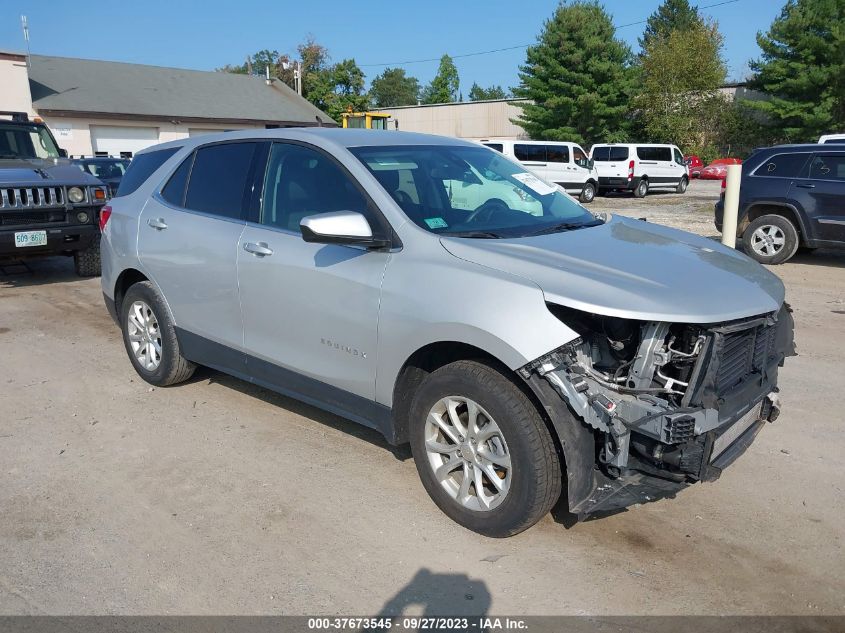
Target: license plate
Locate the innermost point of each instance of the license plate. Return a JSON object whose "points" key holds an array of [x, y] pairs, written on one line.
{"points": [[738, 428], [31, 238]]}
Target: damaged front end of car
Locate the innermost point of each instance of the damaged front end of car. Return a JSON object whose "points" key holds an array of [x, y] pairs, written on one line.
{"points": [[651, 407]]}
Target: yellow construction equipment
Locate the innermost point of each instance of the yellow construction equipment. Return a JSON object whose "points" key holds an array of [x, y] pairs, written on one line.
{"points": [[365, 120]]}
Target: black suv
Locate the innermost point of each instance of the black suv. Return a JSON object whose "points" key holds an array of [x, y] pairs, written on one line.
{"points": [[790, 197], [48, 206]]}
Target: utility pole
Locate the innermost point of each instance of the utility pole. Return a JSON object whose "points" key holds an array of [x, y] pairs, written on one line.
{"points": [[25, 26]]}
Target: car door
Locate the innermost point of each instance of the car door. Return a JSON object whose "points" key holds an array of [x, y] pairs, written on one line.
{"points": [[310, 311], [581, 171], [824, 195], [188, 239], [558, 167], [533, 157], [679, 164]]}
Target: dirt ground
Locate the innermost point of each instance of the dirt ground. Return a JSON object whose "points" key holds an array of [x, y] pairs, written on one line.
{"points": [[216, 497]]}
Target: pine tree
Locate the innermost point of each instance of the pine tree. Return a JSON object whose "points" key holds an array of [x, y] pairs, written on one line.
{"points": [[393, 88], [444, 87], [802, 69], [578, 78], [477, 93], [669, 16]]}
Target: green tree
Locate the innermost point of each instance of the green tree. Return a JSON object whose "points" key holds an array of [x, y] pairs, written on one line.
{"points": [[680, 75], [802, 69], [338, 88], [578, 77], [444, 87], [393, 88], [670, 16], [477, 93]]}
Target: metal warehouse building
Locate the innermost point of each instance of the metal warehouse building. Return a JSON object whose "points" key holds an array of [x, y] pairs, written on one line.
{"points": [[114, 108]]}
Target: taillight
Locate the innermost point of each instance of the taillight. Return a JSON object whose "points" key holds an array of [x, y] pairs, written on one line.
{"points": [[105, 214], [631, 170], [724, 184]]}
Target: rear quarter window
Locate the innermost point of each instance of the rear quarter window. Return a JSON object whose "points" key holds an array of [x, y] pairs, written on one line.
{"points": [[782, 166], [654, 153], [607, 153], [535, 153], [496, 146], [142, 167]]}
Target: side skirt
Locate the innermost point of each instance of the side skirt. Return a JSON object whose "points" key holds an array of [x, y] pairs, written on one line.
{"points": [[288, 383]]}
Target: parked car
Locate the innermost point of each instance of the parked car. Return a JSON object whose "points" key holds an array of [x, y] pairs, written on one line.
{"points": [[791, 196], [639, 167], [505, 346], [107, 170], [565, 164], [47, 206], [718, 169], [694, 165], [832, 138]]}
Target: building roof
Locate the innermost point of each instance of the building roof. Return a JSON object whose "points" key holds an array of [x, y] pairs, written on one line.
{"points": [[64, 84]]}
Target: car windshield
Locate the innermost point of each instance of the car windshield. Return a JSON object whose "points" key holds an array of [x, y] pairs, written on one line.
{"points": [[26, 141], [471, 192], [104, 169]]}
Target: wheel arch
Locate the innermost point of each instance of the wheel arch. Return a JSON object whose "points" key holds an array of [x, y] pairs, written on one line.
{"points": [[783, 209], [125, 280]]}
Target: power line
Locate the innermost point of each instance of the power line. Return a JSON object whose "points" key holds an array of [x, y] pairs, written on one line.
{"points": [[518, 46]]}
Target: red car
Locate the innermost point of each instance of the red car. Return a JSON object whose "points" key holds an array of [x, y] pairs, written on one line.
{"points": [[694, 165], [718, 169]]}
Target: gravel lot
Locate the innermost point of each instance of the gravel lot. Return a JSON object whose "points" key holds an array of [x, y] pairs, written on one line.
{"points": [[217, 497]]}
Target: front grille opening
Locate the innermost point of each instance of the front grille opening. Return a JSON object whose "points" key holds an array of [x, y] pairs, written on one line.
{"points": [[743, 354]]}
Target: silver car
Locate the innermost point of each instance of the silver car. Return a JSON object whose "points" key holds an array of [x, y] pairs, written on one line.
{"points": [[518, 344]]}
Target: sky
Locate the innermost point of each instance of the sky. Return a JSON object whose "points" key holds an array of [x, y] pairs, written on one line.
{"points": [[207, 35]]}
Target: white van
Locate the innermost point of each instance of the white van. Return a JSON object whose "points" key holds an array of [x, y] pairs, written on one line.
{"points": [[831, 138], [565, 164], [639, 167]]}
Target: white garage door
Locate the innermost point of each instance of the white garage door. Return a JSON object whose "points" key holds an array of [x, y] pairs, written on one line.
{"points": [[200, 131], [114, 140]]}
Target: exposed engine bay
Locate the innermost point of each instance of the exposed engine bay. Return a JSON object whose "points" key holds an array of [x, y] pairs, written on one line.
{"points": [[675, 402]]}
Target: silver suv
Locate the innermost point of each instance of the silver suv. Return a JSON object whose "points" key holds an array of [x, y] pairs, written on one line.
{"points": [[434, 290]]}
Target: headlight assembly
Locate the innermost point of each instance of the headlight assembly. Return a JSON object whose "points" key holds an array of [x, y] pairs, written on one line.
{"points": [[75, 195]]}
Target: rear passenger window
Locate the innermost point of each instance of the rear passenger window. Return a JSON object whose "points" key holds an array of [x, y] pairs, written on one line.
{"points": [[219, 178], [654, 153], [496, 146], [607, 153], [782, 166], [141, 168], [557, 153], [828, 167], [536, 153], [174, 190]]}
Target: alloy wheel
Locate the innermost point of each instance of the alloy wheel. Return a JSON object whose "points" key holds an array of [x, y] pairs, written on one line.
{"points": [[468, 453], [144, 335], [768, 240]]}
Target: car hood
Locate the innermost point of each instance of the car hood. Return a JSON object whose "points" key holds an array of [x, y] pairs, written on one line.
{"points": [[633, 269], [43, 172]]}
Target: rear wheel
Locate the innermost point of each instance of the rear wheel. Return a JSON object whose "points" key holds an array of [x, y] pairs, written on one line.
{"points": [[482, 451], [642, 189], [87, 261], [587, 193], [770, 239], [682, 185], [150, 337]]}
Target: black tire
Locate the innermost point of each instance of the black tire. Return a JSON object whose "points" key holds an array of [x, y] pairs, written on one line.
{"points": [[535, 475], [87, 261], [779, 226], [173, 367], [588, 193], [641, 189], [682, 185]]}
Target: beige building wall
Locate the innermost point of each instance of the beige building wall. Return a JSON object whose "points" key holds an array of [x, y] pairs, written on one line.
{"points": [[471, 120], [74, 134], [14, 84]]}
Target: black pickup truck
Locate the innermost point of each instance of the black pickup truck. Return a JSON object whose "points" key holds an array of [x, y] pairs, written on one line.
{"points": [[48, 206]]}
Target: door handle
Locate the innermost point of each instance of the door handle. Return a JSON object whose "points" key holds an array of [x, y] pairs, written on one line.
{"points": [[157, 223], [806, 185], [261, 249]]}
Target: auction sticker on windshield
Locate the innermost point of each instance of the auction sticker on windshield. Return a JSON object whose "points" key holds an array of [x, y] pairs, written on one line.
{"points": [[535, 184], [31, 238]]}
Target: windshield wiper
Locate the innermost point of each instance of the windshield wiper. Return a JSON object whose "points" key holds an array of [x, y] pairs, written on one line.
{"points": [[490, 235], [564, 226]]}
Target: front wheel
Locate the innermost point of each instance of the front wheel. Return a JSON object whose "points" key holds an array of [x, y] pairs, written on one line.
{"points": [[587, 193], [682, 185], [482, 450], [641, 189]]}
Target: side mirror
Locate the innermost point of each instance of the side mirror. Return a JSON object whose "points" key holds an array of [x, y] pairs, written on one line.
{"points": [[340, 227], [62, 152]]}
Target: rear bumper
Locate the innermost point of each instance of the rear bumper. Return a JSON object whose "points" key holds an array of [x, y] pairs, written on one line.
{"points": [[60, 240], [606, 182]]}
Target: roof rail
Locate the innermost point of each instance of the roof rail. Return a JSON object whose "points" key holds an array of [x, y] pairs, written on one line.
{"points": [[18, 117]]}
